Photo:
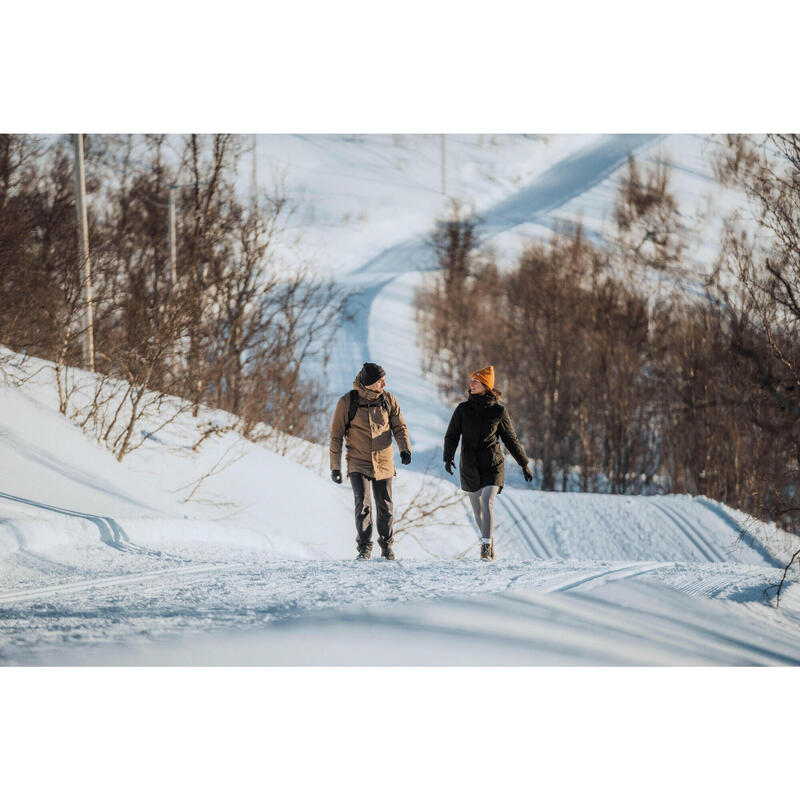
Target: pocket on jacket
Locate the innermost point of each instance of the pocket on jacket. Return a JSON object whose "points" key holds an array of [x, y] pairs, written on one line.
{"points": [[489, 458], [382, 441]]}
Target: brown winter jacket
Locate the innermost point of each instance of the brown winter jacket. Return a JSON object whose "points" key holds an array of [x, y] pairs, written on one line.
{"points": [[369, 437]]}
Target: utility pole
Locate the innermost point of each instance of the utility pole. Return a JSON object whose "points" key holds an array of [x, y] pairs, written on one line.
{"points": [[255, 173], [83, 250], [173, 272], [444, 183]]}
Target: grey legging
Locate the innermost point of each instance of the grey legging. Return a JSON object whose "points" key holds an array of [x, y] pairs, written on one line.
{"points": [[483, 509]]}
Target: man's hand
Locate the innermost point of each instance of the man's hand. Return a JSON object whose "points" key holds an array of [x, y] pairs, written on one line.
{"points": [[526, 471], [336, 475], [450, 465], [405, 456]]}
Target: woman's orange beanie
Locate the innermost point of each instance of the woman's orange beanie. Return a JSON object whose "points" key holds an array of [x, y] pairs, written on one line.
{"points": [[485, 376]]}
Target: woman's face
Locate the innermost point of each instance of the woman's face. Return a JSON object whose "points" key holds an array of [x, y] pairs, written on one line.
{"points": [[476, 387]]}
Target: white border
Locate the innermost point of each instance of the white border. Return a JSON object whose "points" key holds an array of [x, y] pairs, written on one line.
{"points": [[366, 67], [394, 733]]}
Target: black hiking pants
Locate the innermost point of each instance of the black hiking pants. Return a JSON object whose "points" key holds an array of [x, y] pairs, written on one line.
{"points": [[363, 506]]}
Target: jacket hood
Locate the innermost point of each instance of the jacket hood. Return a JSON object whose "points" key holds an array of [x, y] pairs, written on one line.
{"points": [[481, 400], [367, 394]]}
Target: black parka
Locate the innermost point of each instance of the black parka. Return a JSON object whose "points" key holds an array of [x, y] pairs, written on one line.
{"points": [[482, 423]]}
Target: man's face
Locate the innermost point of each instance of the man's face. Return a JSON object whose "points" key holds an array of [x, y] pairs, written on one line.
{"points": [[378, 385]]}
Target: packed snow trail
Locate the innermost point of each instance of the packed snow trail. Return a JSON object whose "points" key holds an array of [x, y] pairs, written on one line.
{"points": [[105, 616], [570, 177]]}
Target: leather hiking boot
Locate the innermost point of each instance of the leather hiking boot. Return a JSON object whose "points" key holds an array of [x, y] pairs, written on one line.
{"points": [[364, 552], [487, 553], [386, 551]]}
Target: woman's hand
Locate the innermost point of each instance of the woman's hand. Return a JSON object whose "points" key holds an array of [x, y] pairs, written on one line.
{"points": [[526, 471]]}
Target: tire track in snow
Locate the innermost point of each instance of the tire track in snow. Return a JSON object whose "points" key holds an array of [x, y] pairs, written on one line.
{"points": [[117, 580], [698, 541]]}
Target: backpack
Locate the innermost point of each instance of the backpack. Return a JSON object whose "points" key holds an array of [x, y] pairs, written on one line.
{"points": [[354, 404]]}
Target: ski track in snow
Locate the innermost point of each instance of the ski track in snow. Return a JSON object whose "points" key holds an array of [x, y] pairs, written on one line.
{"points": [[606, 575], [524, 526], [693, 533], [65, 589]]}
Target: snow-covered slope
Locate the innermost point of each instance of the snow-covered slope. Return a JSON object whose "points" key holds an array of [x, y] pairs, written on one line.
{"points": [[233, 535]]}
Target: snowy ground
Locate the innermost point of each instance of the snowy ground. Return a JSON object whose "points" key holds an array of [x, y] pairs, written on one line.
{"points": [[143, 563], [556, 612]]}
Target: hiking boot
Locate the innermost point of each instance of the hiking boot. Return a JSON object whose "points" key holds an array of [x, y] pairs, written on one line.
{"points": [[487, 553], [386, 550], [364, 552]]}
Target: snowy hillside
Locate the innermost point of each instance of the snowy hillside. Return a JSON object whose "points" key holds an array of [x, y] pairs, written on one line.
{"points": [[107, 562]]}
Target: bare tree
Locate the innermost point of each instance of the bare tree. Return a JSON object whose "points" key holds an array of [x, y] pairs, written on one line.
{"points": [[238, 330], [450, 298], [756, 283], [650, 233]]}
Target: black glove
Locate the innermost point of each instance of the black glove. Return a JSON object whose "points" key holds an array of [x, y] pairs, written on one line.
{"points": [[526, 471], [336, 475], [450, 465], [405, 456]]}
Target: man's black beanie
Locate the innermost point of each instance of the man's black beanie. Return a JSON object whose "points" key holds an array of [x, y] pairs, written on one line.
{"points": [[370, 373]]}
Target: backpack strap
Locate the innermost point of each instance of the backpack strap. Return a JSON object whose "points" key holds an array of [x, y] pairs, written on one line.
{"points": [[351, 411], [354, 405]]}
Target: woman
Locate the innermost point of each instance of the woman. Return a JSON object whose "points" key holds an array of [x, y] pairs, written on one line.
{"points": [[481, 423]]}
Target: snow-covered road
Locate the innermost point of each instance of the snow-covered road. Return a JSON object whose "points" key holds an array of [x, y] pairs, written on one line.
{"points": [[413, 612]]}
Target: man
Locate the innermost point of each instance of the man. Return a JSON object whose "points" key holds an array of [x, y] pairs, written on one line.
{"points": [[366, 418]]}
